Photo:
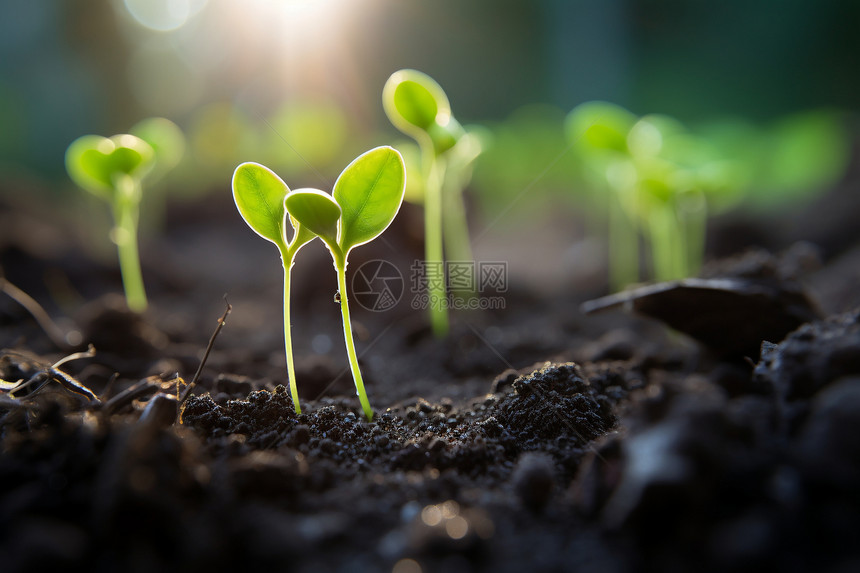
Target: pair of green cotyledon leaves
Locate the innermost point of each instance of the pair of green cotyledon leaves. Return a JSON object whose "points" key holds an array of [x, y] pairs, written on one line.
{"points": [[153, 147], [95, 162], [366, 197]]}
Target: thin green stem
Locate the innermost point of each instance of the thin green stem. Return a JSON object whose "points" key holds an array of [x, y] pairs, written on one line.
{"points": [[433, 253], [693, 216], [125, 235], [287, 260], [666, 247], [455, 225], [623, 246], [678, 241], [340, 263]]}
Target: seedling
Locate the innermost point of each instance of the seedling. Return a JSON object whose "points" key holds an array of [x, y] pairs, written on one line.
{"points": [[418, 107], [259, 195], [598, 133], [366, 198], [656, 174], [112, 168]]}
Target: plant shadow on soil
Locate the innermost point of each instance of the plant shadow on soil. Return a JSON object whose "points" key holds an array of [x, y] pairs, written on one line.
{"points": [[535, 438]]}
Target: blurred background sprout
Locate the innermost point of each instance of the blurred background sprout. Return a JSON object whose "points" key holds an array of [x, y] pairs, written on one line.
{"points": [[112, 169], [417, 106]]}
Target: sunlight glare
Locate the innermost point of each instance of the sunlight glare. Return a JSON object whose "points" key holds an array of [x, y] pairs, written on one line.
{"points": [[163, 15], [299, 17]]}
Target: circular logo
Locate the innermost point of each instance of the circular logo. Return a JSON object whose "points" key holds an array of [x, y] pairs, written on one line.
{"points": [[377, 285]]}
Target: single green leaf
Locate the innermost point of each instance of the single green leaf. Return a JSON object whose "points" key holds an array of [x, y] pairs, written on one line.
{"points": [[414, 102], [649, 136], [166, 139], [369, 191], [259, 195], [315, 211], [599, 126], [94, 163], [808, 151]]}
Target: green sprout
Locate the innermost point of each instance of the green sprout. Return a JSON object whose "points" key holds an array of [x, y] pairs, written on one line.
{"points": [[663, 180], [598, 134], [681, 177], [666, 192], [113, 168], [259, 195], [655, 174], [416, 105], [367, 196]]}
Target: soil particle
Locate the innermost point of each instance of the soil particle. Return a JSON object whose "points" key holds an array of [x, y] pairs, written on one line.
{"points": [[120, 336], [828, 441], [266, 475], [533, 480], [264, 417], [553, 403], [503, 382], [233, 385], [812, 357]]}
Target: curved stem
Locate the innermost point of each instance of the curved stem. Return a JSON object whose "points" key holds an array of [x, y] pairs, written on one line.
{"points": [[350, 345], [287, 260], [433, 253], [125, 236]]}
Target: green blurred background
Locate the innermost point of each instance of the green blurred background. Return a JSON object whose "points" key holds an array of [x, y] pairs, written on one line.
{"points": [[295, 84], [98, 66]]}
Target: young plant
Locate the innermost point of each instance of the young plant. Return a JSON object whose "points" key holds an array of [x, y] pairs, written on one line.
{"points": [[366, 198], [597, 131], [112, 168], [416, 105], [259, 195], [670, 203]]}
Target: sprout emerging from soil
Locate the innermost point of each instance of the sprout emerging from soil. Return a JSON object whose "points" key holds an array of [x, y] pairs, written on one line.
{"points": [[417, 105], [113, 168], [259, 195], [367, 196], [598, 132]]}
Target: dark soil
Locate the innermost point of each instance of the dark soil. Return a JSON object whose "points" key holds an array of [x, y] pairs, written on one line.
{"points": [[534, 438]]}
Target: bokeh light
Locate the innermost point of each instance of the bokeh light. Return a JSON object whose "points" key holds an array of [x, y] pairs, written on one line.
{"points": [[163, 15]]}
